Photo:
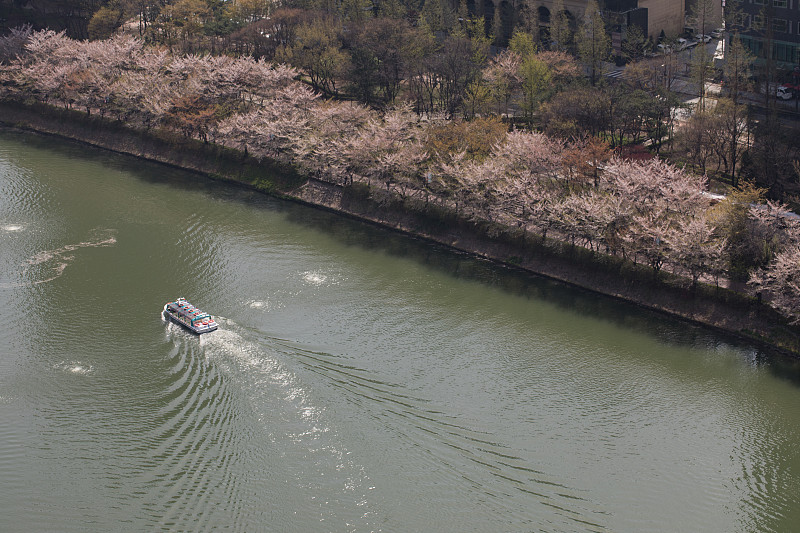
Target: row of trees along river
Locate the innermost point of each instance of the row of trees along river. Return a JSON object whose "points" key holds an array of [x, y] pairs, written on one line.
{"points": [[442, 58], [573, 188]]}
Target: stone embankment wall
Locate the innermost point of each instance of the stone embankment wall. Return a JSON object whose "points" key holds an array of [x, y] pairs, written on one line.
{"points": [[719, 308]]}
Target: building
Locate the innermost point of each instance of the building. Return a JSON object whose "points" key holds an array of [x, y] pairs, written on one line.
{"points": [[652, 16], [771, 22], [704, 16]]}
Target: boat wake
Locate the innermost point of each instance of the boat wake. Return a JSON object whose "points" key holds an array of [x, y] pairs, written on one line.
{"points": [[462, 456], [272, 381], [49, 265], [294, 398], [246, 387]]}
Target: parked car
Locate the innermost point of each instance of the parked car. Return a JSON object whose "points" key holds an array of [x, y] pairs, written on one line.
{"points": [[784, 92], [781, 92], [663, 49], [703, 38], [716, 34]]}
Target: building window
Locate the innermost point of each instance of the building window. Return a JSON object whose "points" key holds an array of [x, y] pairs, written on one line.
{"points": [[753, 45], [784, 52], [780, 25], [544, 15], [759, 2], [780, 3]]}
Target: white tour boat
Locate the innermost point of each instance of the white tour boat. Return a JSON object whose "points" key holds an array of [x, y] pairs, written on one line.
{"points": [[182, 312]]}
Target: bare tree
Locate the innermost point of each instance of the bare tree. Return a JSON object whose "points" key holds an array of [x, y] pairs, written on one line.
{"points": [[593, 42]]}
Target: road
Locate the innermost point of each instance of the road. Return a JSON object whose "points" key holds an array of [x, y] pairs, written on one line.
{"points": [[788, 110]]}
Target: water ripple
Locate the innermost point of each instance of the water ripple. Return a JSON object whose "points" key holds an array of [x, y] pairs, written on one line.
{"points": [[457, 455]]}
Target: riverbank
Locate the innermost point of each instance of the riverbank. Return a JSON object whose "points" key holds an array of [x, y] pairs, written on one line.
{"points": [[723, 309]]}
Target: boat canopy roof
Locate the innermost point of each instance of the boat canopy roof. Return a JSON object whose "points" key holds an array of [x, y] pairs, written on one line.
{"points": [[180, 308], [183, 308]]}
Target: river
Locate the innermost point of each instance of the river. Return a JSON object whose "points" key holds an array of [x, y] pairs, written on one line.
{"points": [[360, 380]]}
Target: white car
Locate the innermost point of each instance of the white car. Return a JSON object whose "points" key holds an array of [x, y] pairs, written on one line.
{"points": [[781, 92], [704, 38], [716, 34]]}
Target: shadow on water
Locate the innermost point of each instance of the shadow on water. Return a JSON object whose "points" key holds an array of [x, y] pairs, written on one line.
{"points": [[143, 169], [667, 329], [520, 283], [367, 236]]}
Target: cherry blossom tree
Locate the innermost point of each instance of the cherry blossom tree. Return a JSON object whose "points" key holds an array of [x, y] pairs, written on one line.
{"points": [[657, 195], [781, 281], [593, 217], [331, 148], [531, 164], [503, 78], [696, 248]]}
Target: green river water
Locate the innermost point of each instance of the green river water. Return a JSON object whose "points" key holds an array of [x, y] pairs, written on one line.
{"points": [[359, 381]]}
